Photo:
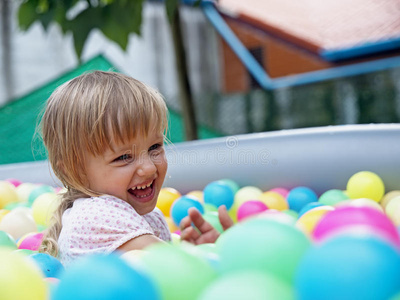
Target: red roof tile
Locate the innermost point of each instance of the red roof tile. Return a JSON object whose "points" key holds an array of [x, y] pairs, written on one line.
{"points": [[321, 24]]}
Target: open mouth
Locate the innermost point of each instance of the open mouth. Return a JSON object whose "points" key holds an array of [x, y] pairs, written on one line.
{"points": [[142, 192]]}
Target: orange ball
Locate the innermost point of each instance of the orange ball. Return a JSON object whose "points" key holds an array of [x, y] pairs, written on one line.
{"points": [[166, 198]]}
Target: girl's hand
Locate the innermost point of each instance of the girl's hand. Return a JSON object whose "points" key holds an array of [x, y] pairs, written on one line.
{"points": [[206, 233]]}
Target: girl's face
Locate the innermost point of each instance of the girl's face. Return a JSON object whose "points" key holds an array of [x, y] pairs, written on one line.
{"points": [[134, 173]]}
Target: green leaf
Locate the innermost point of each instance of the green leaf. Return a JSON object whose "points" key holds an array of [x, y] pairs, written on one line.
{"points": [[113, 31], [27, 14], [171, 6]]}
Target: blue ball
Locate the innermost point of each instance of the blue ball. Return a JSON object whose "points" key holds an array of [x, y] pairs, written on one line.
{"points": [[218, 193], [309, 206], [180, 208], [300, 197], [104, 277], [50, 266], [349, 267]]}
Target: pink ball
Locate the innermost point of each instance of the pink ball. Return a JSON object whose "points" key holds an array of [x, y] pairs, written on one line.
{"points": [[14, 182], [31, 241], [348, 218], [250, 208], [284, 192]]}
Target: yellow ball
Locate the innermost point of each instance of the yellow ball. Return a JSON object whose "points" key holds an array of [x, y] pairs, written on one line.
{"points": [[244, 194], [171, 225], [389, 196], [366, 184], [18, 222], [197, 194], [44, 207], [8, 194], [311, 218], [393, 210], [20, 278], [274, 200], [166, 198]]}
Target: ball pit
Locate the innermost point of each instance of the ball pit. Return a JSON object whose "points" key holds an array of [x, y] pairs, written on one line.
{"points": [[342, 265]]}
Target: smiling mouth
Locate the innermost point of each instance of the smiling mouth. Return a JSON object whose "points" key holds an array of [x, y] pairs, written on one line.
{"points": [[142, 192]]}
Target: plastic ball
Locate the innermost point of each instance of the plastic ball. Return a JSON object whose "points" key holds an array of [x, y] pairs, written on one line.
{"points": [[387, 197], [278, 216], [300, 197], [308, 207], [310, 219], [23, 191], [197, 194], [6, 240], [20, 279], [166, 198], [212, 218], [274, 200], [349, 268], [393, 210], [104, 277], [39, 190], [332, 197], [14, 182], [30, 241], [180, 208], [248, 285], [263, 245], [44, 207], [232, 184], [49, 265], [8, 194], [345, 217], [171, 225], [250, 208], [280, 190], [18, 222], [218, 193], [3, 212], [242, 195], [366, 184], [182, 275], [360, 203]]}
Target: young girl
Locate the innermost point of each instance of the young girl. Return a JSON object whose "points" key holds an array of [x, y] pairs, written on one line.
{"points": [[104, 133]]}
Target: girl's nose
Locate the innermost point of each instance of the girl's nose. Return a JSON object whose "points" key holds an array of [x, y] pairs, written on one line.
{"points": [[146, 166]]}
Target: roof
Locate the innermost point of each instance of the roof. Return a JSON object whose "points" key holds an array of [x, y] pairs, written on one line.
{"points": [[324, 26]]}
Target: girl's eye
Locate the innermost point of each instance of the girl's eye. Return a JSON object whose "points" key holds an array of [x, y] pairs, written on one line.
{"points": [[124, 157], [155, 147]]}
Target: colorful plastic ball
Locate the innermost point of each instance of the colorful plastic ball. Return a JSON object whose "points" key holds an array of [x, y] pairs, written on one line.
{"points": [[18, 222], [197, 194], [310, 219], [263, 245], [104, 277], [171, 225], [278, 216], [8, 194], [218, 193], [3, 212], [232, 184], [24, 252], [280, 190], [274, 200], [248, 285], [14, 182], [332, 197], [44, 207], [387, 197], [180, 208], [209, 207], [247, 193], [345, 217], [366, 184], [212, 218], [300, 197], [179, 274], [23, 191], [360, 203], [345, 267], [308, 207], [20, 279], [166, 198], [250, 208], [39, 190], [6, 240], [49, 265], [393, 210], [30, 241]]}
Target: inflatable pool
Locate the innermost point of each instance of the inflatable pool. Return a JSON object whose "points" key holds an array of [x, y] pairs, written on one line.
{"points": [[321, 158]]}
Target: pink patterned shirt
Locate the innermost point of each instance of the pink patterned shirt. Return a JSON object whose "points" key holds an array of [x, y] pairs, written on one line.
{"points": [[102, 224]]}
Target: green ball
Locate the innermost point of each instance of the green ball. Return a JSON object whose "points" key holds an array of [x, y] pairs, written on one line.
{"points": [[332, 197], [36, 192], [179, 274], [252, 285], [263, 245], [212, 218], [6, 240], [209, 207], [13, 205]]}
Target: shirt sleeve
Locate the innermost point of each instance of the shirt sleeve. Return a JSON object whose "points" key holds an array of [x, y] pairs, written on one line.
{"points": [[157, 222]]}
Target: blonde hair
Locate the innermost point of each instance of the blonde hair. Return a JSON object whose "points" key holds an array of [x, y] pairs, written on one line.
{"points": [[84, 114]]}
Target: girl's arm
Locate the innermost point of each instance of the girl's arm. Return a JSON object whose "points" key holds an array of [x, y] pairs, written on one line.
{"points": [[139, 243], [206, 233]]}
